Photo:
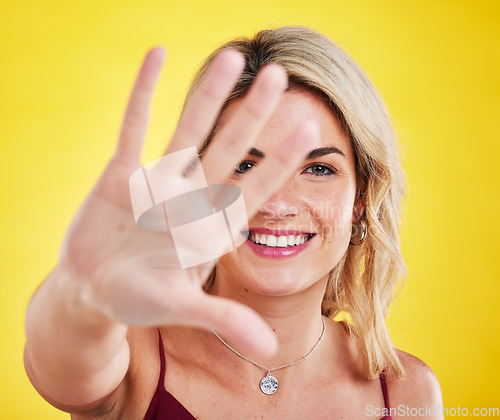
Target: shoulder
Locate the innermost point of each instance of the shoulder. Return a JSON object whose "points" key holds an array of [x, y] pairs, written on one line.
{"points": [[419, 390]]}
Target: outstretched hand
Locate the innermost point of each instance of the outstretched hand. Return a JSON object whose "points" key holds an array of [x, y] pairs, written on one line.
{"points": [[133, 275]]}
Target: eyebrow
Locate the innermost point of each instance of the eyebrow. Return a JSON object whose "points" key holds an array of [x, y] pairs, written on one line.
{"points": [[256, 153], [313, 154], [322, 151]]}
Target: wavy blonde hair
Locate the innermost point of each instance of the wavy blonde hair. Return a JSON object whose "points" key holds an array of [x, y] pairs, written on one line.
{"points": [[363, 283]]}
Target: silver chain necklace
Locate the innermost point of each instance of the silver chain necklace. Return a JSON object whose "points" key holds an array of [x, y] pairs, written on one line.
{"points": [[269, 384]]}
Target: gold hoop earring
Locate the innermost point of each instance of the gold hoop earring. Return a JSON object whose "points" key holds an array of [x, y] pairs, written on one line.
{"points": [[364, 233]]}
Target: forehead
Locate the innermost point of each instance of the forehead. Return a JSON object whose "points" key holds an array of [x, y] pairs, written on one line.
{"points": [[295, 107]]}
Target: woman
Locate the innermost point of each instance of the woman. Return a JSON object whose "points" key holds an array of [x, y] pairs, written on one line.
{"points": [[120, 330]]}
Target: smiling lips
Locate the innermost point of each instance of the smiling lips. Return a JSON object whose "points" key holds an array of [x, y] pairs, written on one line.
{"points": [[278, 241], [275, 244]]}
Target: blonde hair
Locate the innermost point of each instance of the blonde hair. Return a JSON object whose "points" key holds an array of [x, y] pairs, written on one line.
{"points": [[362, 284]]}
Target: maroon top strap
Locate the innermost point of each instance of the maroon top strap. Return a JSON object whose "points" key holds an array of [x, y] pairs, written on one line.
{"points": [[164, 405], [385, 393]]}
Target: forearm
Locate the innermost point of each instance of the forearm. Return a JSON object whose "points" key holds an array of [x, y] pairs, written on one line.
{"points": [[74, 354]]}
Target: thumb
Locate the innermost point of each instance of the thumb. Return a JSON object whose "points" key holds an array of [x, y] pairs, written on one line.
{"points": [[236, 322]]}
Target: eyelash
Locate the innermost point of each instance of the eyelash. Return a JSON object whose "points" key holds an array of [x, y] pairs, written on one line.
{"points": [[237, 169], [330, 169]]}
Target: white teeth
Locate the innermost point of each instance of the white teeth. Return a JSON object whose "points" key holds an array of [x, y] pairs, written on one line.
{"points": [[277, 241], [282, 241], [271, 240]]}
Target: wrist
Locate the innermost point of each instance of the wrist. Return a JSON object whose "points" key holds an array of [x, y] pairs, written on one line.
{"points": [[80, 305]]}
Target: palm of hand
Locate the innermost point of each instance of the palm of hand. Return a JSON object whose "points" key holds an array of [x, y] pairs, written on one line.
{"points": [[134, 276]]}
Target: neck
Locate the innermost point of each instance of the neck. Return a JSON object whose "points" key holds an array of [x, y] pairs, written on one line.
{"points": [[295, 319]]}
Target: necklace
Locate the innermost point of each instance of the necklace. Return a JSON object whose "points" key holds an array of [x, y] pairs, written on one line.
{"points": [[269, 384]]}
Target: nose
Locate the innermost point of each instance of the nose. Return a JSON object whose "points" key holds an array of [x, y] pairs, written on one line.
{"points": [[282, 204]]}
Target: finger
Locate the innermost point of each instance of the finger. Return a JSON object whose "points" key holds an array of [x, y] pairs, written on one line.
{"points": [[237, 323], [239, 133], [137, 114], [200, 115], [275, 169]]}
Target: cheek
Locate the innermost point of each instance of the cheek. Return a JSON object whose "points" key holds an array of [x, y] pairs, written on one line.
{"points": [[337, 223], [334, 212]]}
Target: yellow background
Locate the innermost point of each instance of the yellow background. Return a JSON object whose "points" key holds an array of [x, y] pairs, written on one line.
{"points": [[65, 72]]}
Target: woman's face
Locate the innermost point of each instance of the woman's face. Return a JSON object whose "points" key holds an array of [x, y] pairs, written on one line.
{"points": [[304, 229]]}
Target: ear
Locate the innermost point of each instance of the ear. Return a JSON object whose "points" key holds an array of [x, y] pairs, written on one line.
{"points": [[358, 210]]}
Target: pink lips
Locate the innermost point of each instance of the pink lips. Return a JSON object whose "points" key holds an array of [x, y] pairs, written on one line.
{"points": [[277, 252]]}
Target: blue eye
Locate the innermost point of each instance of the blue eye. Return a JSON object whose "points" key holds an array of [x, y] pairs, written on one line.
{"points": [[243, 167], [320, 169]]}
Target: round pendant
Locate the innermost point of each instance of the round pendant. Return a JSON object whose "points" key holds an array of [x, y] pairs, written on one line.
{"points": [[269, 384]]}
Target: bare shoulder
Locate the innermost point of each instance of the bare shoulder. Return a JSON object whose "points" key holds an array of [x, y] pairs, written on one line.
{"points": [[419, 390]]}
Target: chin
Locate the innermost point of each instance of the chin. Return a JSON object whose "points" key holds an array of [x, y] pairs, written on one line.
{"points": [[277, 279], [275, 285]]}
